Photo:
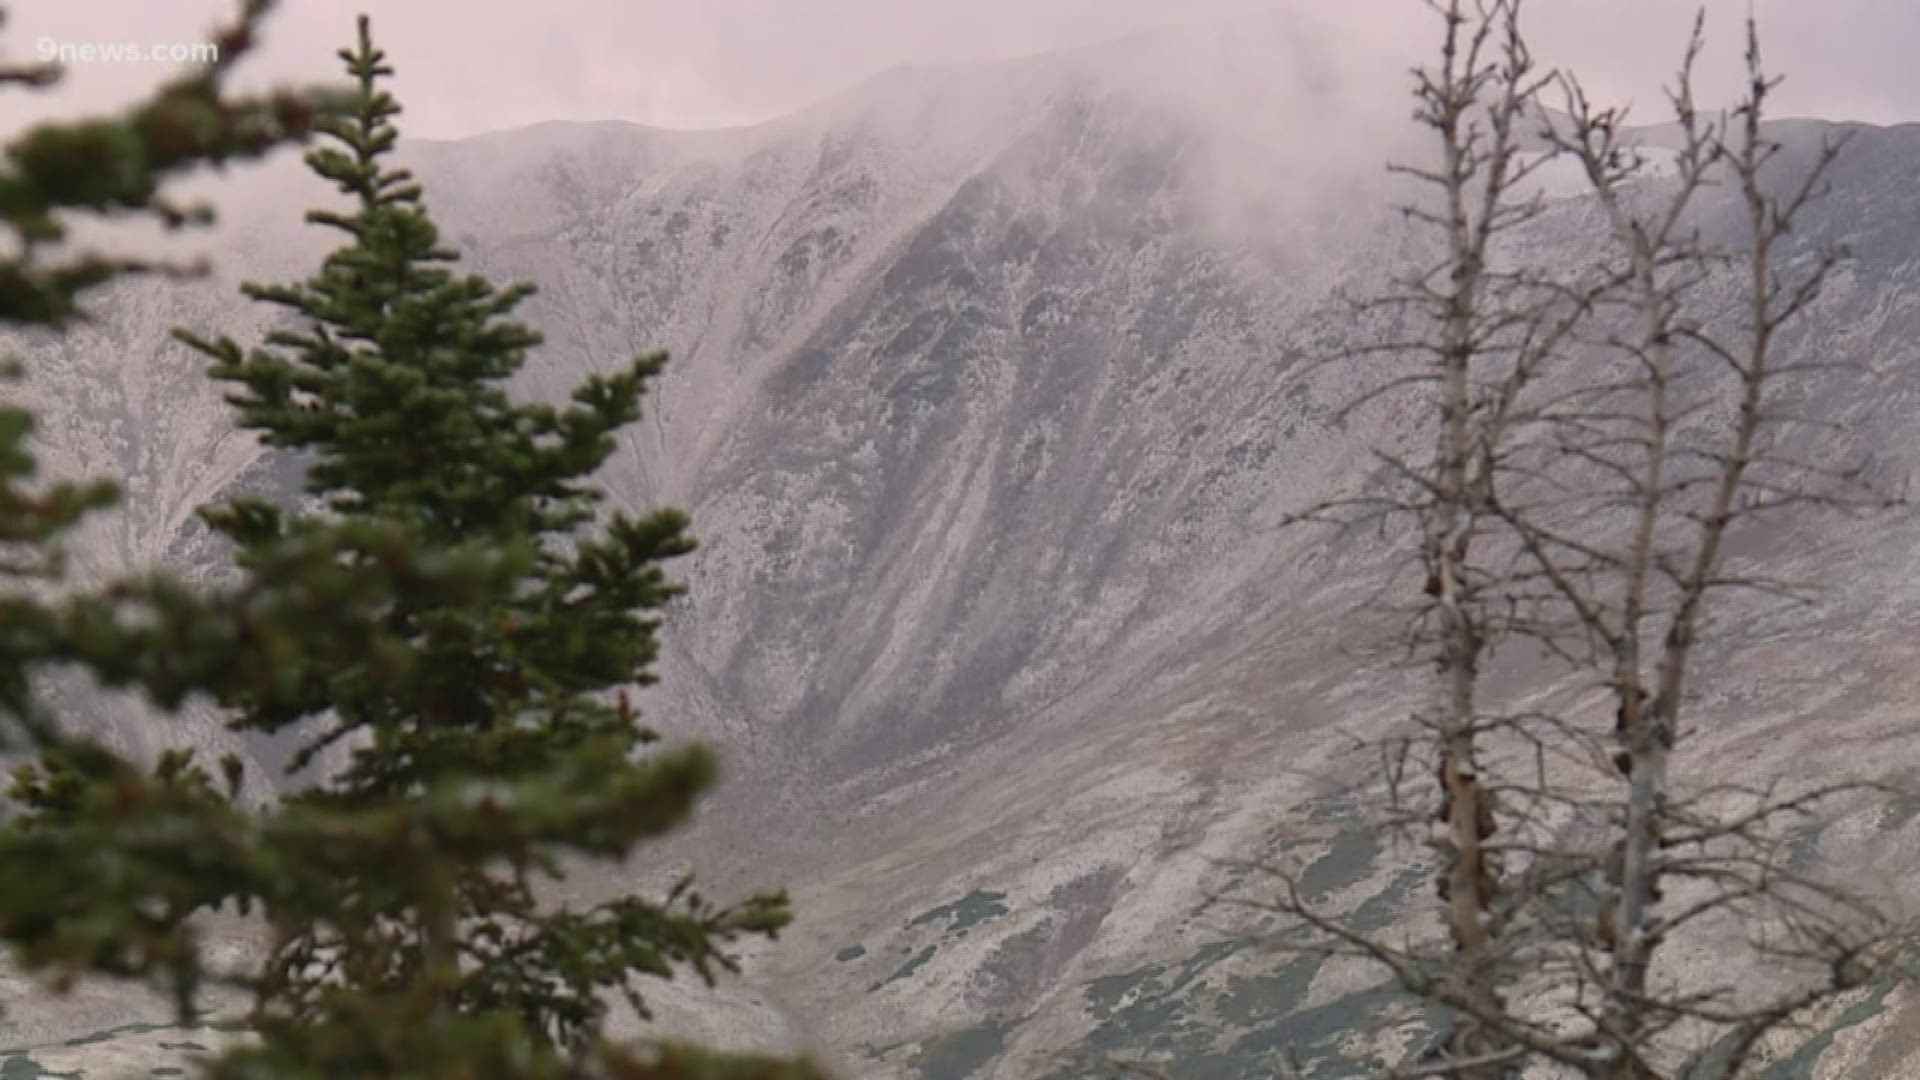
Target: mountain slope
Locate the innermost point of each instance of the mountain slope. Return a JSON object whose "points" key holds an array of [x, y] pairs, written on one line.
{"points": [[990, 390]]}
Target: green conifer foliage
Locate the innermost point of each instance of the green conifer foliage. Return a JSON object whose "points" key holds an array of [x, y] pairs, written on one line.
{"points": [[79, 891], [103, 863], [500, 732], [109, 166], [461, 615]]}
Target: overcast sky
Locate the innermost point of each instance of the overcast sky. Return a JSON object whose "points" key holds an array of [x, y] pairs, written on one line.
{"points": [[475, 65]]}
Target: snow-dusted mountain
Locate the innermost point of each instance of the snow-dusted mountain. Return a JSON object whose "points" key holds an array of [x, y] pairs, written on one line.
{"points": [[989, 391]]}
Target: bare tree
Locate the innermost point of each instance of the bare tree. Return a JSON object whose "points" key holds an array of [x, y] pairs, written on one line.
{"points": [[1598, 439], [1470, 338]]}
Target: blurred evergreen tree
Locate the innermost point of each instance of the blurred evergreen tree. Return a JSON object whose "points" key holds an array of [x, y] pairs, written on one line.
{"points": [[503, 727], [460, 616]]}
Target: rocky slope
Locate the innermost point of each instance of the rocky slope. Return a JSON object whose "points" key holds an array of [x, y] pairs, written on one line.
{"points": [[990, 389]]}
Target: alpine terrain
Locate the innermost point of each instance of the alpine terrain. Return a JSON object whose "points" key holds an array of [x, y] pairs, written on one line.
{"points": [[990, 389]]}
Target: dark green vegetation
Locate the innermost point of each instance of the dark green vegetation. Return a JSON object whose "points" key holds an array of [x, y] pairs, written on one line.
{"points": [[970, 910], [905, 971], [1230, 1010], [25, 1068], [950, 921], [963, 1053], [1201, 1020], [462, 615]]}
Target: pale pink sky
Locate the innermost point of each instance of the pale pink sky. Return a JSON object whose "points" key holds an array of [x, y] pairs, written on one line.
{"points": [[475, 65]]}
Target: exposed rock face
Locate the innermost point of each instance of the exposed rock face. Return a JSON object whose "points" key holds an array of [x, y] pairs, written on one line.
{"points": [[988, 396]]}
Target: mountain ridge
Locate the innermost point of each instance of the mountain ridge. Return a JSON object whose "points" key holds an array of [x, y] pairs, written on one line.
{"points": [[988, 410]]}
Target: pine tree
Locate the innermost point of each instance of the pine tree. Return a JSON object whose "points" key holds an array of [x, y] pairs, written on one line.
{"points": [[502, 730], [104, 862], [460, 625]]}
